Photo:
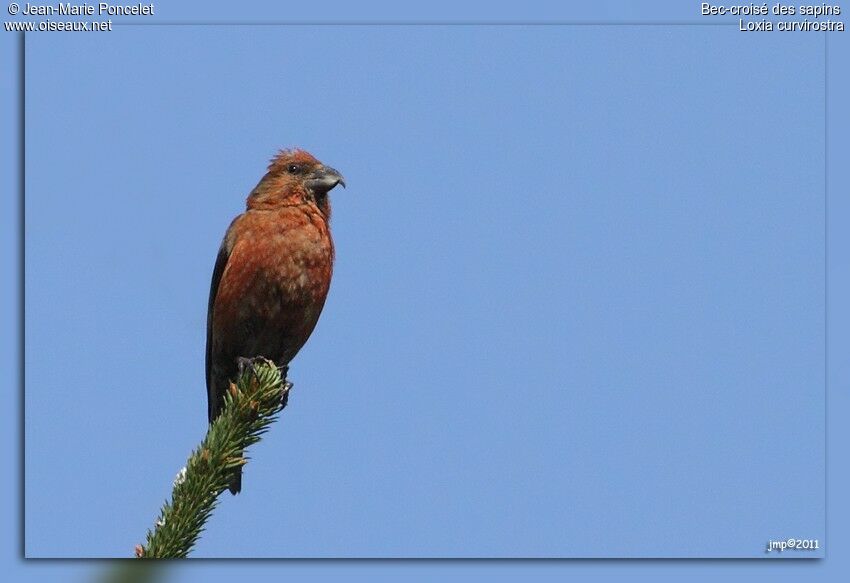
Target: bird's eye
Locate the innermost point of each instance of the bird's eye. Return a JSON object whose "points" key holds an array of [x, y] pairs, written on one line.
{"points": [[293, 169]]}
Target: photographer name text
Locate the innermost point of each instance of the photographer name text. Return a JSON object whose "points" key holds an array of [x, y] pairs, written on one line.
{"points": [[99, 9]]}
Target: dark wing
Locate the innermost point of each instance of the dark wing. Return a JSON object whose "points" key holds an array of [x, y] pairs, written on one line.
{"points": [[220, 263]]}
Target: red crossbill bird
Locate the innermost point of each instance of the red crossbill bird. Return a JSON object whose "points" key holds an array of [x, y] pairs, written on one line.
{"points": [[272, 273]]}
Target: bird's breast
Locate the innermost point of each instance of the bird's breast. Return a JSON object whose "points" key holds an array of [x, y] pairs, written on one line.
{"points": [[294, 259], [280, 261], [274, 285]]}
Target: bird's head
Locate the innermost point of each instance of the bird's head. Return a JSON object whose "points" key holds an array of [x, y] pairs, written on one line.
{"points": [[295, 177]]}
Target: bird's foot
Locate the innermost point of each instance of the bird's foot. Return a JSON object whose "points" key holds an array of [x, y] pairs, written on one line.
{"points": [[244, 363], [283, 369], [287, 386], [284, 396]]}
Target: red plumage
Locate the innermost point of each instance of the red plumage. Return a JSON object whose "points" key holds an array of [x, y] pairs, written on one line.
{"points": [[272, 273]]}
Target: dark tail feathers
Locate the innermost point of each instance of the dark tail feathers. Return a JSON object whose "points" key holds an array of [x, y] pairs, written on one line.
{"points": [[235, 485]]}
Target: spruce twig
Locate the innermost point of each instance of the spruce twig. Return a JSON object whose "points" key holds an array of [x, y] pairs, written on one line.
{"points": [[251, 405]]}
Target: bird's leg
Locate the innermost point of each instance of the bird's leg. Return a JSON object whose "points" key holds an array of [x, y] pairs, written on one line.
{"points": [[287, 386], [243, 362]]}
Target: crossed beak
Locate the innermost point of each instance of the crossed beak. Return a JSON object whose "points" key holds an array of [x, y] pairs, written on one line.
{"points": [[323, 179]]}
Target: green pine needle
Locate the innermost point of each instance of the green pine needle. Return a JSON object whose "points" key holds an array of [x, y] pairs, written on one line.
{"points": [[251, 405]]}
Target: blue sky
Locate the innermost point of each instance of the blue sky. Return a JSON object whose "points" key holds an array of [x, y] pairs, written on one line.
{"points": [[578, 307]]}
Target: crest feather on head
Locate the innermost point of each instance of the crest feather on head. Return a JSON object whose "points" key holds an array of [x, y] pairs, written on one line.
{"points": [[291, 156]]}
